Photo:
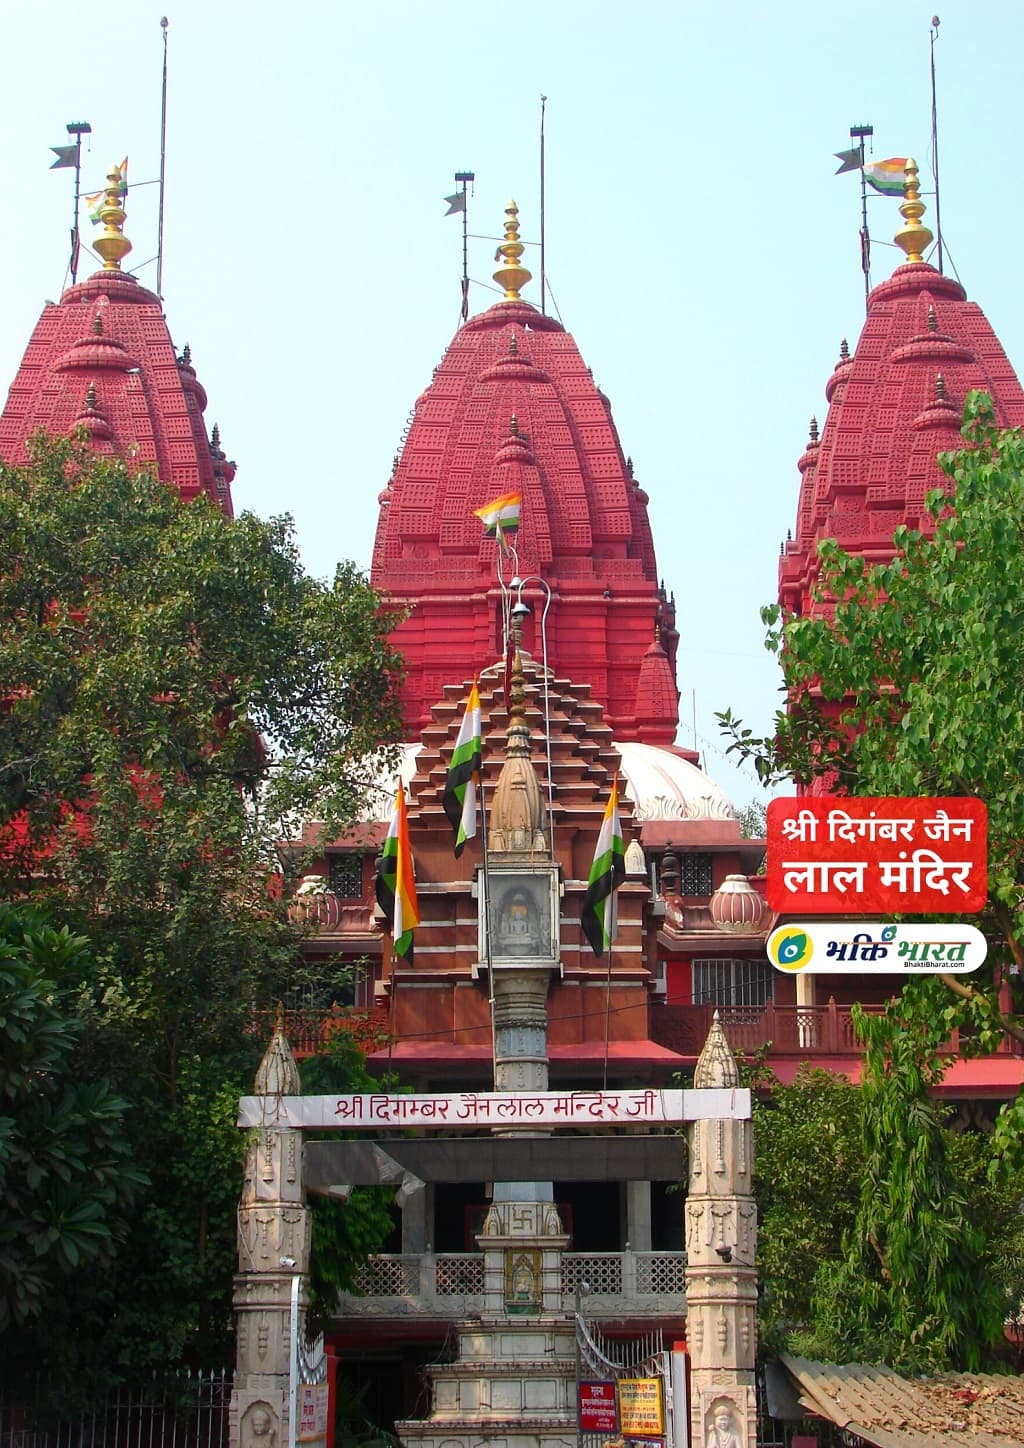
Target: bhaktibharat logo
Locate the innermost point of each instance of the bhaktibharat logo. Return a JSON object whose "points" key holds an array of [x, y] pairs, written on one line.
{"points": [[869, 947], [790, 948]]}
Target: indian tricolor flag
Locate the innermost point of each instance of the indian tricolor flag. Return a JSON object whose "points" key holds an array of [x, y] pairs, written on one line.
{"points": [[464, 774], [887, 176], [606, 875], [501, 515], [396, 885]]}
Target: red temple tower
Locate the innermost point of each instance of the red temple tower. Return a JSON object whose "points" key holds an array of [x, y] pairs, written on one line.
{"points": [[514, 408], [893, 407], [101, 360]]}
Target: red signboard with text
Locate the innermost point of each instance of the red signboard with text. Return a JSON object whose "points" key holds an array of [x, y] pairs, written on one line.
{"points": [[878, 856], [598, 1411]]}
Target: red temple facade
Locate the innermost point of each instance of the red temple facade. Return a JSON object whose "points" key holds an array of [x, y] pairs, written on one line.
{"points": [[101, 361]]}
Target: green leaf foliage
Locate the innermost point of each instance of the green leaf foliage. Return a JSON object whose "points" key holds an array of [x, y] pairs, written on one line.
{"points": [[881, 1237], [176, 694], [905, 680], [66, 1181]]}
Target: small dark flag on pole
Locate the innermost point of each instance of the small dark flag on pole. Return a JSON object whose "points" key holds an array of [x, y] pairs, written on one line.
{"points": [[66, 156], [456, 202], [848, 160]]}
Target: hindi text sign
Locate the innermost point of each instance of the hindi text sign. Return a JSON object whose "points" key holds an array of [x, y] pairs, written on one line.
{"points": [[598, 1411], [640, 1408], [473, 1110]]}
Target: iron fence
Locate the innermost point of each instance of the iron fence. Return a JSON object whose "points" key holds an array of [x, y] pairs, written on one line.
{"points": [[186, 1410]]}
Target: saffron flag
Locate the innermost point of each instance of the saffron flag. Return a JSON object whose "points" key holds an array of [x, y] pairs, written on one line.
{"points": [[94, 205], [887, 176], [395, 885], [464, 775], [500, 515], [606, 875], [122, 171]]}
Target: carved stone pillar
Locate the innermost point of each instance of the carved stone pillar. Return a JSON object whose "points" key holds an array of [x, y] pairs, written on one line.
{"points": [[721, 1278], [273, 1248]]}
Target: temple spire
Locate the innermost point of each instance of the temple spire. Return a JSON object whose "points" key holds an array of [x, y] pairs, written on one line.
{"points": [[915, 236], [511, 275], [112, 244]]}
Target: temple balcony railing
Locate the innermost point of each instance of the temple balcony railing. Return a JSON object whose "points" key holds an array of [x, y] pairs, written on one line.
{"points": [[803, 1031], [450, 1285]]}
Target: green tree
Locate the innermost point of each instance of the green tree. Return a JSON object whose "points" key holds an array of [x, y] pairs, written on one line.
{"points": [[905, 680], [809, 1161], [870, 1209], [915, 1286], [177, 696], [66, 1185]]}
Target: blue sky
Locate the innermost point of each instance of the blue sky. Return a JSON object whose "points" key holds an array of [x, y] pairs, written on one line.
{"points": [[698, 245]]}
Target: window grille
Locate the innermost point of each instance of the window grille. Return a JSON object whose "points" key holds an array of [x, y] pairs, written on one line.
{"points": [[695, 873], [345, 875], [721, 981]]}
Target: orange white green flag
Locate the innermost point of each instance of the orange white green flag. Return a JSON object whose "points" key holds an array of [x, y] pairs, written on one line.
{"points": [[887, 177], [396, 884], [606, 875], [501, 516], [464, 775]]}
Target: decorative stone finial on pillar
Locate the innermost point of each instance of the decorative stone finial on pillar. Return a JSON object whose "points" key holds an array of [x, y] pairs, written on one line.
{"points": [[721, 1278], [274, 1230], [517, 817]]}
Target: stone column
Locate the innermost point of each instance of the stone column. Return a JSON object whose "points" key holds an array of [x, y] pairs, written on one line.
{"points": [[721, 1278], [273, 1248], [521, 1057]]}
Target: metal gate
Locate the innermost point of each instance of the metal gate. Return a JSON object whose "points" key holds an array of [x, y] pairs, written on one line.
{"points": [[646, 1358]]}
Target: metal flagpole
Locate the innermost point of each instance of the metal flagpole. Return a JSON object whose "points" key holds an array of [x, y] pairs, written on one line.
{"points": [[857, 133], [163, 171], [543, 103], [491, 1005], [72, 156], [850, 161], [463, 178], [933, 34]]}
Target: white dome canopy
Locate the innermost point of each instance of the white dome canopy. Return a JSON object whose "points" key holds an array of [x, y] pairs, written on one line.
{"points": [[665, 786]]}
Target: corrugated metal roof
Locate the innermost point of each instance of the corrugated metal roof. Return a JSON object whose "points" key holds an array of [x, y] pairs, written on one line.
{"points": [[955, 1410]]}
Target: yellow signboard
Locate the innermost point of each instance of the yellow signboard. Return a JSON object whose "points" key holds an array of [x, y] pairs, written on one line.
{"points": [[641, 1414]]}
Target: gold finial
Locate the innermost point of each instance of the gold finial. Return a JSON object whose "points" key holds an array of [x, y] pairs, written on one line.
{"points": [[914, 237], [90, 397], [511, 275], [112, 244], [940, 387], [933, 321], [513, 425]]}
